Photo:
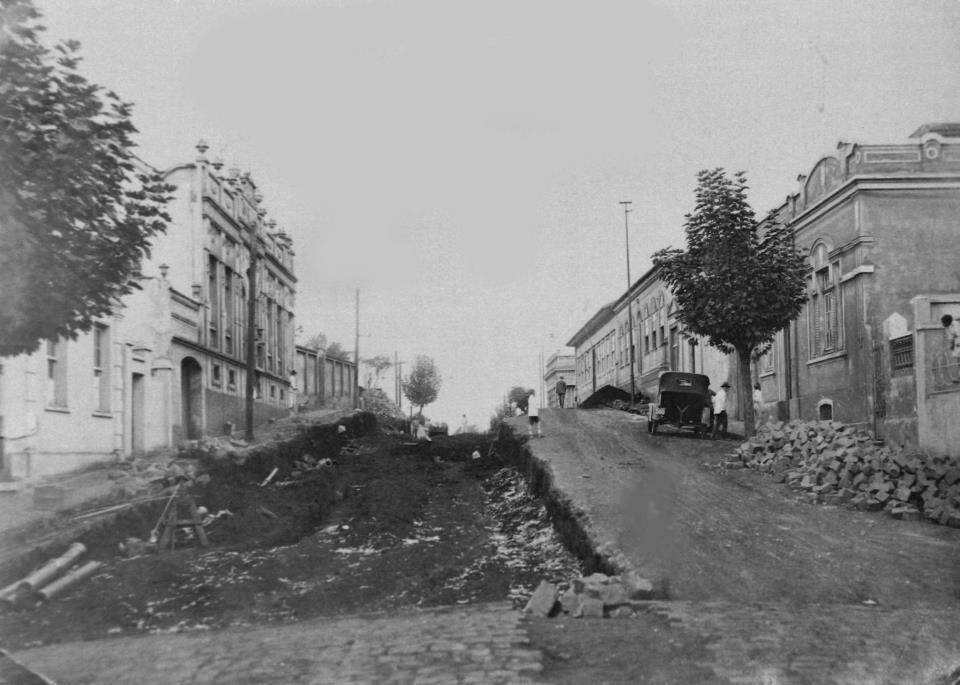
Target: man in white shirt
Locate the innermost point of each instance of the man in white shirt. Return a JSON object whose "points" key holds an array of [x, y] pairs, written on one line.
{"points": [[720, 411], [533, 413]]}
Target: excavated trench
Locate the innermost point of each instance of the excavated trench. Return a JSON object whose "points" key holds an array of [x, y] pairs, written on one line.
{"points": [[389, 524]]}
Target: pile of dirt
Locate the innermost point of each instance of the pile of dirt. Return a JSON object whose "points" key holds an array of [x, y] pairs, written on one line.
{"points": [[837, 464]]}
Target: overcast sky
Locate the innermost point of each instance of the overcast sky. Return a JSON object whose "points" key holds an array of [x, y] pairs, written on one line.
{"points": [[461, 163]]}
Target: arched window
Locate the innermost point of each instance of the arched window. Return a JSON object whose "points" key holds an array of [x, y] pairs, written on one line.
{"points": [[825, 312]]}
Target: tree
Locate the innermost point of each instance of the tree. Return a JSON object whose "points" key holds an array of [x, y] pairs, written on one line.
{"points": [[377, 365], [737, 283], [422, 386], [335, 349], [520, 395], [77, 209], [317, 342]]}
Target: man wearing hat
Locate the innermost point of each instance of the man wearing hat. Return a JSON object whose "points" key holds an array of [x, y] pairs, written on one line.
{"points": [[720, 410]]}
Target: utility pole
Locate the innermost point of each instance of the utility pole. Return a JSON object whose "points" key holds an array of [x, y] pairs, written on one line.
{"points": [[626, 232], [356, 358], [252, 323]]}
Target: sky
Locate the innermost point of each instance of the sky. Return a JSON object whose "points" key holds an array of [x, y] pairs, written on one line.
{"points": [[461, 164]]}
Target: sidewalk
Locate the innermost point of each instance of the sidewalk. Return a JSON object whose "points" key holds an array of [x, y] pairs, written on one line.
{"points": [[17, 508]]}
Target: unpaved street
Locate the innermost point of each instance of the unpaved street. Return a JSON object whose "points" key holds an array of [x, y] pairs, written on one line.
{"points": [[766, 588], [720, 535]]}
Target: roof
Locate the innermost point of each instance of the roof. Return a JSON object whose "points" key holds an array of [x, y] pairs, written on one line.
{"points": [[604, 313], [945, 129]]}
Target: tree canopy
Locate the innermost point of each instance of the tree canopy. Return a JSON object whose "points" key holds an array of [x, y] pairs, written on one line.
{"points": [[520, 395], [77, 209], [422, 386], [377, 366], [737, 282]]}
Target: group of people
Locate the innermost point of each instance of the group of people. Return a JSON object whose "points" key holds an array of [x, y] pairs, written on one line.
{"points": [[718, 408]]}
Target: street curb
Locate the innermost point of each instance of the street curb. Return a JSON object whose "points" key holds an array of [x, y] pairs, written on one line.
{"points": [[15, 673]]}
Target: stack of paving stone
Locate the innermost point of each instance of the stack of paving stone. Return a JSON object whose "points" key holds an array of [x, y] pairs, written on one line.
{"points": [[594, 596], [837, 464]]}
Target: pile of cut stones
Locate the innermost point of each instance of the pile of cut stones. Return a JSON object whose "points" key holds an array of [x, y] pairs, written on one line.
{"points": [[833, 463], [595, 596]]}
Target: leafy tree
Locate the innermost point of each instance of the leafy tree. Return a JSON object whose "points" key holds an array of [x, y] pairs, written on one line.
{"points": [[422, 386], [377, 365], [77, 209], [317, 342], [334, 349], [520, 395], [736, 284]]}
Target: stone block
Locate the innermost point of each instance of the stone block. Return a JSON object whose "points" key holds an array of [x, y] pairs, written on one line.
{"points": [[542, 601], [613, 594], [906, 513], [590, 607], [570, 601], [636, 586]]}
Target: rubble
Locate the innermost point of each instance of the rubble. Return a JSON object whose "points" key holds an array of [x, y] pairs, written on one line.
{"points": [[833, 463], [595, 596]]}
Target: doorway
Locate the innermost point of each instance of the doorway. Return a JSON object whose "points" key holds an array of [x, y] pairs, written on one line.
{"points": [[191, 397], [137, 398]]}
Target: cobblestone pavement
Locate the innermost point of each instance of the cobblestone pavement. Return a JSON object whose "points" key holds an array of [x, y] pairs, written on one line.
{"points": [[842, 645], [477, 644]]}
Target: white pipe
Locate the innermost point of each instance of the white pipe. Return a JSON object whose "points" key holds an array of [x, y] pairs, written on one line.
{"points": [[48, 571], [75, 576]]}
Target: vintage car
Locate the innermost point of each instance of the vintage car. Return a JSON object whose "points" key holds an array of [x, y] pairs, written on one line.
{"points": [[683, 401]]}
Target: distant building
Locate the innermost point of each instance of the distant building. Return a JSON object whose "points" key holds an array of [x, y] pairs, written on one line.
{"points": [[323, 381], [602, 346], [881, 226], [557, 366]]}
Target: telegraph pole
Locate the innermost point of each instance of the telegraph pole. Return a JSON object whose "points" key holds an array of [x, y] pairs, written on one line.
{"points": [[356, 358], [252, 324], [626, 232]]}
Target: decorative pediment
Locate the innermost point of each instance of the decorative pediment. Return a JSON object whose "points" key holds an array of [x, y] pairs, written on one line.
{"points": [[825, 177]]}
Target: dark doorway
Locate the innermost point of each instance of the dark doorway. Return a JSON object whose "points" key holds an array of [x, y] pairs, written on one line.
{"points": [[136, 414], [191, 397]]}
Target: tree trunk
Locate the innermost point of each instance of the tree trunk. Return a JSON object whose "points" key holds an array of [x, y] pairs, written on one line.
{"points": [[746, 392]]}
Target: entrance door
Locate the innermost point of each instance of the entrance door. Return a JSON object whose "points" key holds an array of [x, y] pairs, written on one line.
{"points": [[136, 414], [191, 397]]}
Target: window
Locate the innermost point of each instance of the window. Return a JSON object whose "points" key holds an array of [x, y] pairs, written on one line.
{"points": [[101, 366], [229, 309], [768, 360], [231, 379], [213, 294], [825, 315], [56, 373], [217, 378], [901, 352]]}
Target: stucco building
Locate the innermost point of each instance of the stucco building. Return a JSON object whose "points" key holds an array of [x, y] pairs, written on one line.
{"points": [[170, 363], [881, 226], [216, 217]]}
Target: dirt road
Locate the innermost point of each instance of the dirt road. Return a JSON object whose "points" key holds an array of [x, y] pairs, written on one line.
{"points": [[736, 535], [765, 588]]}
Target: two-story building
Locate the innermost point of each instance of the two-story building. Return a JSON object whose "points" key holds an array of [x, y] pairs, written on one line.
{"points": [[169, 363], [602, 346]]}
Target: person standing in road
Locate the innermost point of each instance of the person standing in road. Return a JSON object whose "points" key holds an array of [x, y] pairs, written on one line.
{"points": [[757, 402], [720, 411], [561, 390], [533, 415]]}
